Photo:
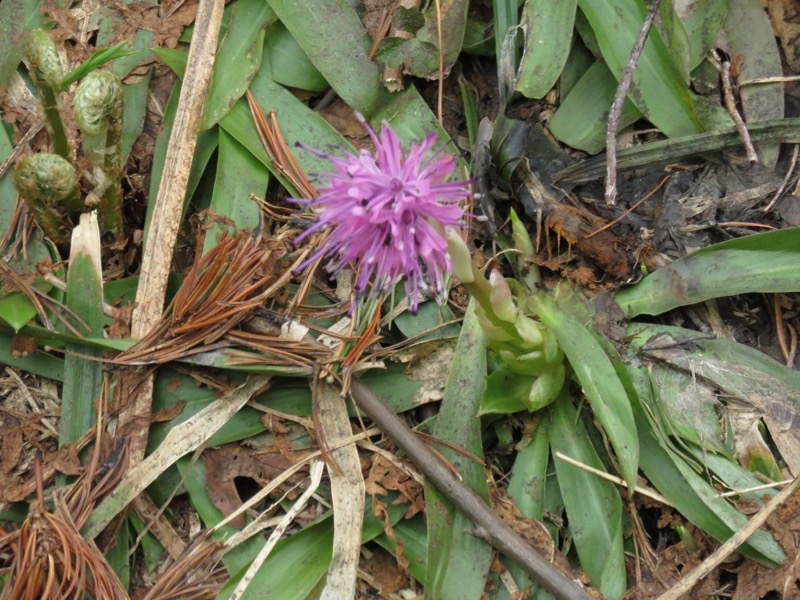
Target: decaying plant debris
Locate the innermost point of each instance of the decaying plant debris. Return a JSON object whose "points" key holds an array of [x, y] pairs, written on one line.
{"points": [[600, 392]]}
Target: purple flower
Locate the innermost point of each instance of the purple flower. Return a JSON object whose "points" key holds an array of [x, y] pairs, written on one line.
{"points": [[387, 213]]}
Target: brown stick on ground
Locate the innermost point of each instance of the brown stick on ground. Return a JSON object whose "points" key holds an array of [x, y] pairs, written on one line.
{"points": [[134, 420], [730, 104], [488, 526], [619, 99]]}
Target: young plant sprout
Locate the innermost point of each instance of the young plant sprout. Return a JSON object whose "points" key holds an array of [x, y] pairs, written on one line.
{"points": [[98, 109], [48, 183], [386, 214], [47, 73]]}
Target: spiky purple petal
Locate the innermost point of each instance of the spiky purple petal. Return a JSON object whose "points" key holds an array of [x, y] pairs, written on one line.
{"points": [[387, 212]]}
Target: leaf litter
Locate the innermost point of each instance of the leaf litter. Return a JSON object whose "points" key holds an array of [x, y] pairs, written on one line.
{"points": [[229, 327]]}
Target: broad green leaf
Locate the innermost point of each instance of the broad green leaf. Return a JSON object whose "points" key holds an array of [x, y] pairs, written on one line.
{"points": [[688, 492], [288, 64], [17, 310], [677, 40], [744, 375], [204, 149], [752, 45], [118, 556], [449, 17], [687, 407], [239, 174], [238, 58], [478, 39], [297, 122], [506, 16], [595, 373], [529, 474], [764, 262], [83, 377], [528, 485], [340, 54], [173, 389], [506, 393], [581, 120], [702, 22], [651, 153], [594, 507], [578, 62], [458, 563], [193, 473], [656, 89], [548, 37]]}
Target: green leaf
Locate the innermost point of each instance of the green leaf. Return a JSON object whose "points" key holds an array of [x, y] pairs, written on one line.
{"points": [[506, 393], [288, 64], [689, 493], [451, 17], [297, 122], [83, 377], [239, 174], [581, 120], [17, 310], [657, 89], [340, 54], [8, 193], [763, 262], [595, 372], [238, 58], [95, 61], [458, 562], [548, 38], [677, 40], [413, 535], [594, 508], [702, 25]]}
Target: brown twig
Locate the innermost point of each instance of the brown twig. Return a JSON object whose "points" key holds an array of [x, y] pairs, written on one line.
{"points": [[785, 182], [619, 99], [489, 526], [730, 104]]}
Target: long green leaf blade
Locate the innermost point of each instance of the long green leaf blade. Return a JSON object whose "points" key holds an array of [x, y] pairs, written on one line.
{"points": [[458, 563], [83, 377], [657, 89], [593, 505], [340, 54], [548, 27], [764, 262], [596, 374]]}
